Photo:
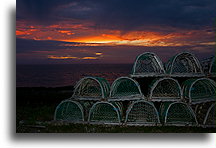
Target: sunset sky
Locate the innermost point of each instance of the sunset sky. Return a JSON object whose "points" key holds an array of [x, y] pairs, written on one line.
{"points": [[112, 31]]}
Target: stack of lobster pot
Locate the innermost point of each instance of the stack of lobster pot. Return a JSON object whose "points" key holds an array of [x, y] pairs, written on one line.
{"points": [[177, 94]]}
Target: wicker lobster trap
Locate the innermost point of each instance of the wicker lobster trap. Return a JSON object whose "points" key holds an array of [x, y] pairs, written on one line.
{"points": [[91, 88], [125, 88], [184, 64], [142, 113], [147, 64], [105, 113], [210, 118], [199, 90], [209, 66], [69, 110], [165, 89], [177, 114]]}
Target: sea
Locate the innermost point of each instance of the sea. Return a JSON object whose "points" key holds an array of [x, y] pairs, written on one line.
{"points": [[60, 75]]}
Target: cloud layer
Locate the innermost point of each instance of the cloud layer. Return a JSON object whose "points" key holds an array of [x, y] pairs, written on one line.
{"points": [[112, 31]]}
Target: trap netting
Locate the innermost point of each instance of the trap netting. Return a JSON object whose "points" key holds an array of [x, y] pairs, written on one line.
{"points": [[178, 114], [125, 88], [210, 118], [184, 65], [165, 89], [209, 66], [86, 104], [91, 88], [201, 110], [147, 64], [69, 110], [199, 90], [142, 113], [213, 67], [105, 113]]}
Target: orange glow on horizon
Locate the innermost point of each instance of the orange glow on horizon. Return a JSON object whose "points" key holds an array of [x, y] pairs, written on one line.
{"points": [[103, 38], [83, 34], [61, 57], [98, 53], [71, 57], [89, 58]]}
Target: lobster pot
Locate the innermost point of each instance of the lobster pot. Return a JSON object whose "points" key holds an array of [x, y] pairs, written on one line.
{"points": [[165, 89], [147, 64], [177, 114], [213, 67], [184, 64], [91, 88], [125, 88], [209, 66], [201, 110], [142, 113], [199, 90], [69, 110], [105, 113], [210, 119]]}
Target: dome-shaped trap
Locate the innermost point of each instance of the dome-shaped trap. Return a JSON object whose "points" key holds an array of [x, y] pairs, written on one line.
{"points": [[165, 89], [142, 113], [177, 114], [91, 88], [209, 66], [210, 118], [184, 64], [199, 90], [147, 64], [105, 113], [125, 88], [70, 111]]}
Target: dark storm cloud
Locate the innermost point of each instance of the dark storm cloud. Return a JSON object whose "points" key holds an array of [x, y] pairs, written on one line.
{"points": [[183, 14], [123, 14], [26, 45], [39, 11]]}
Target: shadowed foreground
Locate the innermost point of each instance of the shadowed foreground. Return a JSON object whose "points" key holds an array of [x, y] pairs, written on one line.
{"points": [[58, 127]]}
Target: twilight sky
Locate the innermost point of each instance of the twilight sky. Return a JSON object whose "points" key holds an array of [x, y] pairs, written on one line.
{"points": [[112, 31]]}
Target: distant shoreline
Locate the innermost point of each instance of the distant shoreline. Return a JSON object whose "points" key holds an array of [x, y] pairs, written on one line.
{"points": [[58, 76]]}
